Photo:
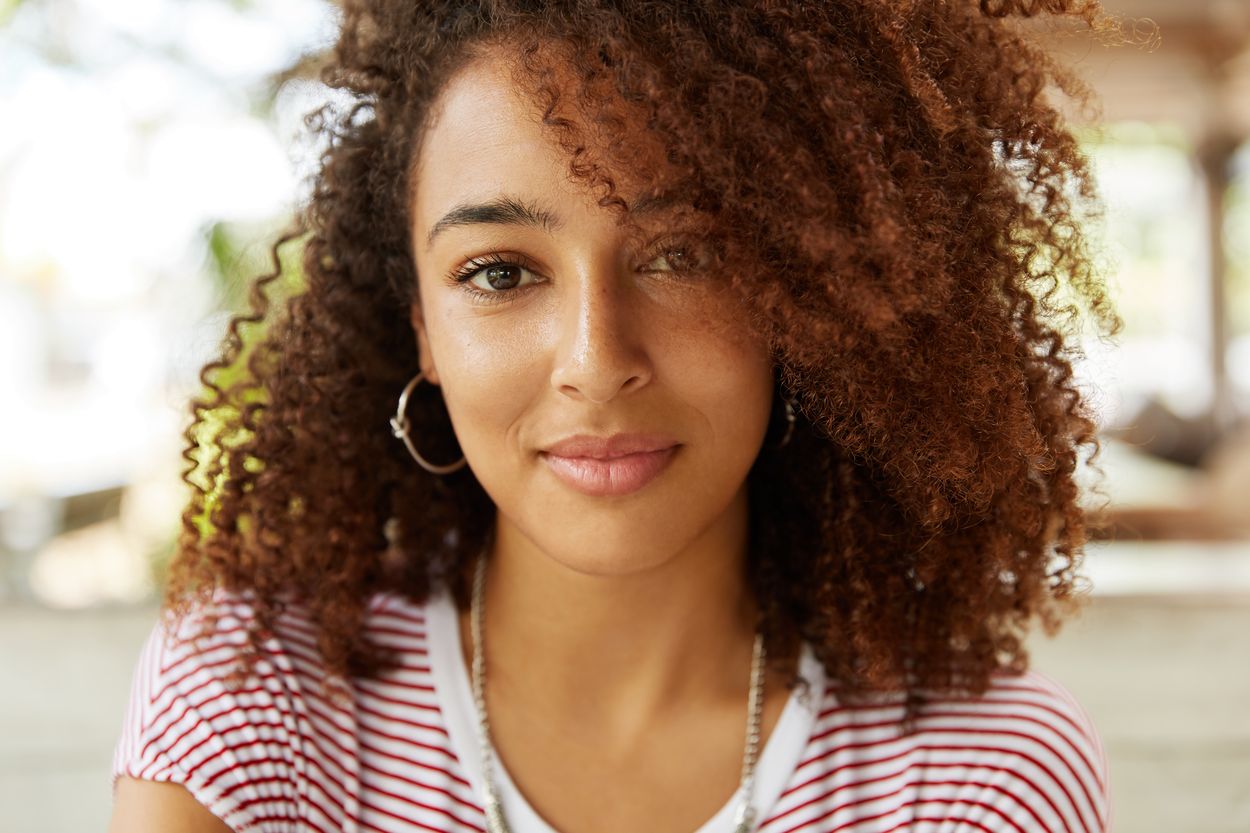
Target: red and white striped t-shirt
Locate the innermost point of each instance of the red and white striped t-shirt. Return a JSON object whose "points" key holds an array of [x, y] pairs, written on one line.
{"points": [[278, 754]]}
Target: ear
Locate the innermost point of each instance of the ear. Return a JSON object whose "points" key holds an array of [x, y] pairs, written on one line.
{"points": [[426, 358]]}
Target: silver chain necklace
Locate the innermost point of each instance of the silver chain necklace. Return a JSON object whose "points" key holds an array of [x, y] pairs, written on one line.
{"points": [[744, 818]]}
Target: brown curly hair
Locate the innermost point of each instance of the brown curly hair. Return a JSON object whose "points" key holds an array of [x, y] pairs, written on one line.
{"points": [[892, 195]]}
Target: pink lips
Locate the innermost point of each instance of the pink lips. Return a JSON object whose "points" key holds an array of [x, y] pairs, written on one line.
{"points": [[609, 476]]}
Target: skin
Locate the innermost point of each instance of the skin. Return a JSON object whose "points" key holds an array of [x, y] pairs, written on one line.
{"points": [[152, 806], [618, 686]]}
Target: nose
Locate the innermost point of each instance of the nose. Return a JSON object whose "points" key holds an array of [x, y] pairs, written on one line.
{"points": [[601, 350]]}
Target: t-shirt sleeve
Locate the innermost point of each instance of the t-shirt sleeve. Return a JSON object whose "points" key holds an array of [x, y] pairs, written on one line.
{"points": [[234, 746], [1040, 761], [1075, 740]]}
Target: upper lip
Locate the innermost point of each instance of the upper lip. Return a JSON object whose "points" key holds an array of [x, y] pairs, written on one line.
{"points": [[616, 445]]}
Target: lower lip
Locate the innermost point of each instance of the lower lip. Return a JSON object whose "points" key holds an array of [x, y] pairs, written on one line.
{"points": [[610, 477]]}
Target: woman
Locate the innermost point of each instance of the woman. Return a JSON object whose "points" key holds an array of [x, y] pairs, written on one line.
{"points": [[662, 368]]}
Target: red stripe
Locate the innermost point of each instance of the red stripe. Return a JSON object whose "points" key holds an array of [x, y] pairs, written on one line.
{"points": [[448, 774], [316, 706], [1091, 771], [407, 614], [413, 803], [394, 718], [853, 784], [305, 796], [861, 819], [411, 742], [939, 820], [894, 703], [187, 705], [422, 825], [365, 767], [367, 686], [285, 779], [859, 763], [245, 760], [925, 723], [1077, 731], [312, 743], [373, 629], [299, 823], [969, 730], [328, 759], [451, 756], [329, 711]]}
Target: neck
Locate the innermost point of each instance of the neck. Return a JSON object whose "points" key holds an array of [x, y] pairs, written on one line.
{"points": [[615, 653]]}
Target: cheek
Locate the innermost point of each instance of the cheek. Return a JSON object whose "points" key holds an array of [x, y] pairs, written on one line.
{"points": [[729, 381], [743, 400], [489, 377]]}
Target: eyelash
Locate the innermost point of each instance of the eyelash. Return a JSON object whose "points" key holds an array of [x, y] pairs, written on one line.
{"points": [[463, 274]]}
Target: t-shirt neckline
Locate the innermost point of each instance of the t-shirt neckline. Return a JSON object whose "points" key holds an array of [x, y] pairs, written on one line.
{"points": [[777, 761]]}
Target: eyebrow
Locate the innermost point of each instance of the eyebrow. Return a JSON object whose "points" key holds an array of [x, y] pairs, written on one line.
{"points": [[498, 210], [508, 210]]}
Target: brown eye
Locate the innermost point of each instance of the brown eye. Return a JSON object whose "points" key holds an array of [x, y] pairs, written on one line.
{"points": [[504, 276], [494, 277], [682, 258]]}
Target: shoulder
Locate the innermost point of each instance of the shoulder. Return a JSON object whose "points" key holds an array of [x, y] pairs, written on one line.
{"points": [[1024, 755], [1043, 759], [265, 744], [1053, 735], [193, 720], [206, 658]]}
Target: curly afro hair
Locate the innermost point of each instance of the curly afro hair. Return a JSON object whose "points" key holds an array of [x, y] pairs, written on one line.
{"points": [[894, 195]]}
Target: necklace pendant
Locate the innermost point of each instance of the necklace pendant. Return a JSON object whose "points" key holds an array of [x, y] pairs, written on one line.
{"points": [[495, 822], [744, 819]]}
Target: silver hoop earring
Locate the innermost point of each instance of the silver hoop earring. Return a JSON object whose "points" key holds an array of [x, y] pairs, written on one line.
{"points": [[399, 427]]}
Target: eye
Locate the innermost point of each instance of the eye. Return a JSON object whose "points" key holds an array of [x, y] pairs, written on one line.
{"points": [[681, 256], [493, 275]]}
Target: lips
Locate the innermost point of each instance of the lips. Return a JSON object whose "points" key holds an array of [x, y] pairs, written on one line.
{"points": [[609, 476], [616, 445], [607, 466]]}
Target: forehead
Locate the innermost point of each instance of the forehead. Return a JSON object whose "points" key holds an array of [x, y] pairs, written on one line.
{"points": [[485, 137]]}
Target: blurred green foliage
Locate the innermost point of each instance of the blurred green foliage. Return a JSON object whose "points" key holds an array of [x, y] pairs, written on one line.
{"points": [[7, 9], [1237, 242], [238, 256]]}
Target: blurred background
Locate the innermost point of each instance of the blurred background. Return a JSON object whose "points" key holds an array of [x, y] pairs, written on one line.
{"points": [[151, 150]]}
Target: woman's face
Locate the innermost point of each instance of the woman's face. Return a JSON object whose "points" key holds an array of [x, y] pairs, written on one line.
{"points": [[568, 325]]}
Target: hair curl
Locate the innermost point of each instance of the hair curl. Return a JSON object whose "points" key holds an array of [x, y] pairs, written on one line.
{"points": [[891, 194]]}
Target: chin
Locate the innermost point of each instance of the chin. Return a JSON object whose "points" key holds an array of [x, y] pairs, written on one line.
{"points": [[606, 557]]}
